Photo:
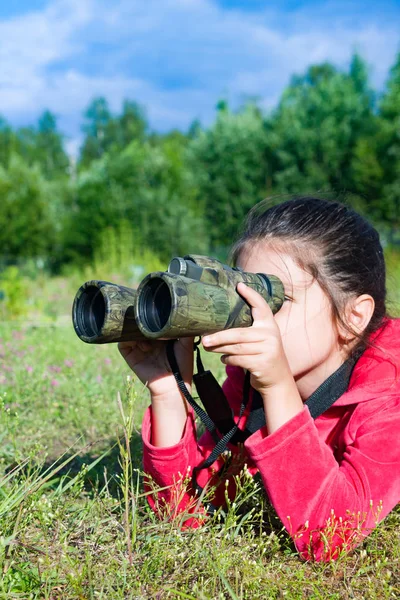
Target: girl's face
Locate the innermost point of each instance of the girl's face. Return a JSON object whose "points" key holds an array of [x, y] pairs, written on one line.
{"points": [[309, 335]]}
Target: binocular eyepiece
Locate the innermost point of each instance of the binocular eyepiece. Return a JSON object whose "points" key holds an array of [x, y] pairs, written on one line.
{"points": [[195, 296]]}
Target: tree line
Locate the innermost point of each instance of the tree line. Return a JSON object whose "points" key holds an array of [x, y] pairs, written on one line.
{"points": [[180, 192]]}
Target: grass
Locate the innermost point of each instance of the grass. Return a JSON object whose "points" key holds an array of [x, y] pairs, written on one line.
{"points": [[74, 520]]}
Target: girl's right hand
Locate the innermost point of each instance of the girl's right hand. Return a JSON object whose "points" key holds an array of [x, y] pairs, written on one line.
{"points": [[148, 360]]}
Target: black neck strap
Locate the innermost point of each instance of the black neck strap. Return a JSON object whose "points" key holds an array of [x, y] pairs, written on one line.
{"points": [[332, 388]]}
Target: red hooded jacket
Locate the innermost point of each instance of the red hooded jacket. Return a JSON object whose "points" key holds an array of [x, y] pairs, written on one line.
{"points": [[330, 480]]}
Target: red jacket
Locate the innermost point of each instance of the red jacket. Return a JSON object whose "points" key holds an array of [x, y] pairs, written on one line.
{"points": [[330, 480]]}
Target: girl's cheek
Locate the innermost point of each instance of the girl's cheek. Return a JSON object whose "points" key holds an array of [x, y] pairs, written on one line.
{"points": [[288, 321]]}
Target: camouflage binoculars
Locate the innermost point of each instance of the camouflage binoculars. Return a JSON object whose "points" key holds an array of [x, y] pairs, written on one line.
{"points": [[195, 296]]}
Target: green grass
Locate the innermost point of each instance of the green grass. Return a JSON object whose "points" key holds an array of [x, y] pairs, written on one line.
{"points": [[74, 520]]}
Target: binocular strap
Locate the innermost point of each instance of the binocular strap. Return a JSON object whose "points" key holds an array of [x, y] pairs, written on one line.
{"points": [[218, 415], [217, 407]]}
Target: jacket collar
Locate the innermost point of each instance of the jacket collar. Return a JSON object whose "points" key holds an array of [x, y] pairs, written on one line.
{"points": [[378, 369]]}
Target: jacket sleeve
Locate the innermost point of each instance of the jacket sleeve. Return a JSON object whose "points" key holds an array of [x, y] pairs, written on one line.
{"points": [[170, 491], [330, 505]]}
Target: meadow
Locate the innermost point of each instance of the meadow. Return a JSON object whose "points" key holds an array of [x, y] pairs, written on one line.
{"points": [[74, 519]]}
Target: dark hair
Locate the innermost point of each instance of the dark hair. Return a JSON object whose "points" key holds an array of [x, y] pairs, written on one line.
{"points": [[332, 242]]}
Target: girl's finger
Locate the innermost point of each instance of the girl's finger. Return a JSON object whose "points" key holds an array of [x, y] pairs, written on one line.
{"points": [[245, 362], [234, 336], [259, 308], [144, 345], [239, 349], [187, 343], [126, 348], [123, 345]]}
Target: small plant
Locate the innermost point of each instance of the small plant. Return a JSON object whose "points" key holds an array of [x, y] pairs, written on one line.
{"points": [[130, 490], [121, 254], [14, 292], [392, 257]]}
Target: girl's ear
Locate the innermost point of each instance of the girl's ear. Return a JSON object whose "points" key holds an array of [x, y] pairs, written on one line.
{"points": [[359, 312]]}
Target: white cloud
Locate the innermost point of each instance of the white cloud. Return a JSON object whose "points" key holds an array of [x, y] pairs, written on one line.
{"points": [[29, 45], [177, 57], [34, 40]]}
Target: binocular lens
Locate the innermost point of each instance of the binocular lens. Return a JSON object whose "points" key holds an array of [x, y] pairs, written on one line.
{"points": [[155, 305], [90, 312]]}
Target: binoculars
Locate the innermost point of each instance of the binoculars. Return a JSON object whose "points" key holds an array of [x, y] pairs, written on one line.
{"points": [[195, 296]]}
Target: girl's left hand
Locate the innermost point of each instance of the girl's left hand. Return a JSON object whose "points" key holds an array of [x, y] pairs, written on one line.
{"points": [[258, 348]]}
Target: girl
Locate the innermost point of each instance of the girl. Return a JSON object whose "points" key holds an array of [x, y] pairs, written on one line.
{"points": [[331, 479]]}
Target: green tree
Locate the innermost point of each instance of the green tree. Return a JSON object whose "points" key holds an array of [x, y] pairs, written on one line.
{"points": [[108, 133], [230, 170], [98, 117], [390, 105], [131, 124], [41, 145], [313, 133], [145, 185], [50, 152], [389, 150], [6, 142], [25, 144], [26, 228], [366, 173]]}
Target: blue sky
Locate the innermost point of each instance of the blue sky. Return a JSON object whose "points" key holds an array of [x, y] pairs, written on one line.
{"points": [[177, 57]]}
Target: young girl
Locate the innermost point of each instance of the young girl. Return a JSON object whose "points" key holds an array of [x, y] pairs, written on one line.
{"points": [[331, 479]]}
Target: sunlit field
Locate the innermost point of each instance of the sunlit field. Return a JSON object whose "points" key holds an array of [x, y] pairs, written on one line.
{"points": [[74, 520]]}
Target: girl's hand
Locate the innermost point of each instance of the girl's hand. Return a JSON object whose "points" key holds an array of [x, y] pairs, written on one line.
{"points": [[258, 348], [148, 360]]}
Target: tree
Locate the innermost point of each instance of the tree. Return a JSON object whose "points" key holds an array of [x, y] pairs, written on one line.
{"points": [[41, 145], [313, 133], [229, 168], [6, 142], [50, 152], [389, 105], [108, 133], [389, 150], [98, 119], [131, 125], [145, 185], [366, 172], [26, 229]]}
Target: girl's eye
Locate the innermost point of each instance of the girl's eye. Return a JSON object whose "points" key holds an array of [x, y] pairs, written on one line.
{"points": [[287, 299]]}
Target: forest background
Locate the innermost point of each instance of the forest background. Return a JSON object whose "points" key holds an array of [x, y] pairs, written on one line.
{"points": [[136, 197]]}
